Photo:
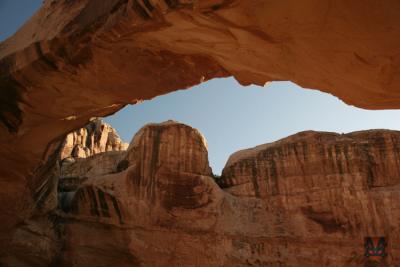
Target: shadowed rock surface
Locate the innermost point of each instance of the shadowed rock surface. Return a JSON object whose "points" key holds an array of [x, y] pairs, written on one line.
{"points": [[38, 241], [307, 200]]}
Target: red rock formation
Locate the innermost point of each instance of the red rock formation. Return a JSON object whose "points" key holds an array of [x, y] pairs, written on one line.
{"points": [[166, 194], [95, 149], [326, 187], [80, 59], [313, 161], [317, 196], [37, 242]]}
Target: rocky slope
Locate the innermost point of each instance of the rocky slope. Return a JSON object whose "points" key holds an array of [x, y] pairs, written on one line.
{"points": [[307, 200]]}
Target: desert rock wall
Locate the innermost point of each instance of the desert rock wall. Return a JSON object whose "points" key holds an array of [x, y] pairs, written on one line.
{"points": [[326, 194]]}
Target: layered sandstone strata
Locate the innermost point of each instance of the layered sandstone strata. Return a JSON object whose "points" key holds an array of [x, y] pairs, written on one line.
{"points": [[306, 200], [134, 217], [74, 60], [326, 186], [312, 161]]}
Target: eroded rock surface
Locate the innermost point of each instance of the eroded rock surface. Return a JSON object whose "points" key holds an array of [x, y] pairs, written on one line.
{"points": [[306, 200], [95, 149], [74, 60], [96, 137], [311, 161], [326, 187], [38, 241], [137, 212]]}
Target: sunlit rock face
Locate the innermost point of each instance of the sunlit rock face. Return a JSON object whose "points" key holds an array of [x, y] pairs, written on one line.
{"points": [[314, 161], [319, 195], [94, 138], [75, 60], [326, 187]]}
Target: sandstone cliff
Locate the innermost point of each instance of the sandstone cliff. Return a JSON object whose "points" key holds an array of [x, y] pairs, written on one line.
{"points": [[74, 60], [306, 200], [326, 187], [314, 161]]}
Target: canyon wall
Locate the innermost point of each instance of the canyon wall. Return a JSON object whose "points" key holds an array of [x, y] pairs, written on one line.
{"points": [[310, 199], [326, 187]]}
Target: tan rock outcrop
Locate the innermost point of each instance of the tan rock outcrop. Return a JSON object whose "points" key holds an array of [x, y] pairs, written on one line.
{"points": [[94, 138], [93, 150], [99, 164], [319, 195], [73, 172]]}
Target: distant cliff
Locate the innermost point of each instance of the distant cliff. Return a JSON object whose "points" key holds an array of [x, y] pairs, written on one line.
{"points": [[94, 138]]}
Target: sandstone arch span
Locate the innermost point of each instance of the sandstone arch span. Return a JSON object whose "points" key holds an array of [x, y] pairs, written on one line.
{"points": [[74, 60]]}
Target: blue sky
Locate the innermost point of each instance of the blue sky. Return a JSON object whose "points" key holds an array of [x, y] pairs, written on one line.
{"points": [[233, 117], [230, 116], [13, 14]]}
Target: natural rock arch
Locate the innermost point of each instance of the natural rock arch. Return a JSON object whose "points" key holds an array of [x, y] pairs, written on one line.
{"points": [[74, 60]]}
